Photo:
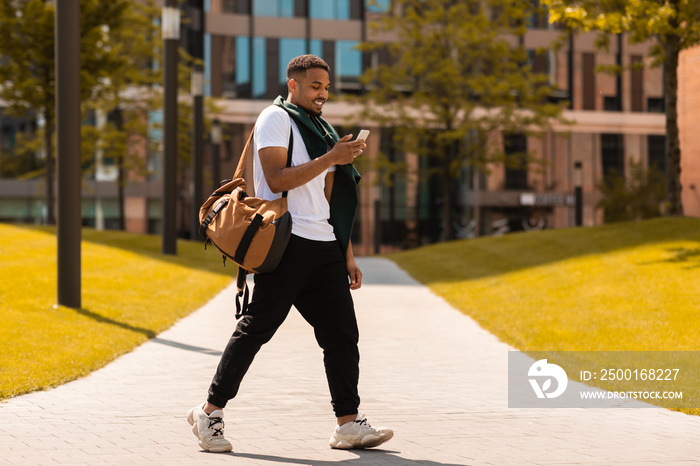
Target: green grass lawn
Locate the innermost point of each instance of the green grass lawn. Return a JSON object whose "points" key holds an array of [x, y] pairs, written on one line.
{"points": [[130, 293], [619, 287], [626, 286], [629, 286]]}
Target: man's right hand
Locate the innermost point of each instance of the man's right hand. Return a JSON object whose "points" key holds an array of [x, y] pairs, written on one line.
{"points": [[345, 150]]}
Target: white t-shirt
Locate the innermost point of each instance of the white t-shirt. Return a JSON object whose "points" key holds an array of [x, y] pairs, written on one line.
{"points": [[307, 204]]}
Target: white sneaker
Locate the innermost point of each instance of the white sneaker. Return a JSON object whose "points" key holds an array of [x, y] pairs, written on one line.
{"points": [[209, 429], [359, 434]]}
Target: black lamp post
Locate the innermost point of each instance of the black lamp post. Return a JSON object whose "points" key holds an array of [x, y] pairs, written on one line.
{"points": [[578, 192], [215, 138], [197, 143], [171, 39], [68, 226]]}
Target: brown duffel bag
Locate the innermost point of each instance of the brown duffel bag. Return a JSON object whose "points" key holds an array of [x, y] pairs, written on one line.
{"points": [[250, 231]]}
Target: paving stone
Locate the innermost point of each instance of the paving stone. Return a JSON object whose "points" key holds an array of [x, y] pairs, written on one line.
{"points": [[427, 371]]}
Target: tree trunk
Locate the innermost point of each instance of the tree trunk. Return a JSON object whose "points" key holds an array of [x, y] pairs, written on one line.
{"points": [[48, 150], [448, 230], [673, 150], [121, 171]]}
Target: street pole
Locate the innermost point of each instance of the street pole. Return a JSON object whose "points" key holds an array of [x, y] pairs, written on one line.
{"points": [[171, 38], [68, 121], [197, 145], [215, 137], [578, 192], [195, 44]]}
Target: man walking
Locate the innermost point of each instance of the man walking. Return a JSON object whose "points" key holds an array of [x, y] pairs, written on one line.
{"points": [[317, 265]]}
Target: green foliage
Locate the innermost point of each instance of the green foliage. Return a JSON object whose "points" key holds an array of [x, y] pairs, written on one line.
{"points": [[641, 19], [637, 197], [27, 44], [670, 25], [129, 93], [455, 78], [27, 71], [23, 160]]}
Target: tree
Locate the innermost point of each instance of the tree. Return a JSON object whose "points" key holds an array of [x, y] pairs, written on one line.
{"points": [[130, 93], [673, 25], [456, 78], [27, 69], [637, 197]]}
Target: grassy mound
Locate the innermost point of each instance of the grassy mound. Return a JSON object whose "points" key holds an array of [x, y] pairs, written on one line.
{"points": [[618, 287], [130, 293]]}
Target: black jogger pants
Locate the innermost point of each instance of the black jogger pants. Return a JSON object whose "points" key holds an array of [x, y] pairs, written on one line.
{"points": [[312, 276]]}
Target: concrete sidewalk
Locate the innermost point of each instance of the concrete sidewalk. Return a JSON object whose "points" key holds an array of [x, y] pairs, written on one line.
{"points": [[427, 371]]}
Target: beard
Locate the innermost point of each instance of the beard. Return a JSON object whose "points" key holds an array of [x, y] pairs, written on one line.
{"points": [[310, 109], [312, 112]]}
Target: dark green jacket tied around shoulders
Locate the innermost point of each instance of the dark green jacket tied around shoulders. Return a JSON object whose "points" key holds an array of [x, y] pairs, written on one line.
{"points": [[319, 137]]}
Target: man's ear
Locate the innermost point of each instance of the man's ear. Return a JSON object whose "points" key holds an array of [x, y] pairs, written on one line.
{"points": [[293, 85]]}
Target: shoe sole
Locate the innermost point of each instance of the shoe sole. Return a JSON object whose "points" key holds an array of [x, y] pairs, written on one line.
{"points": [[369, 441], [203, 446]]}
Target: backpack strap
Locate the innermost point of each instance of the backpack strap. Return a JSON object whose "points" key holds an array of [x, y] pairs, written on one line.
{"points": [[242, 296], [290, 149]]}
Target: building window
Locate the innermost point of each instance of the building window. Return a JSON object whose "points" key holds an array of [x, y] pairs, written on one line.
{"points": [[279, 8], [259, 67], [612, 104], [243, 78], [656, 105], [289, 48], [317, 48], [612, 152], [637, 84], [515, 148], [348, 65], [377, 6], [588, 99], [329, 9], [241, 7], [230, 68], [656, 152]]}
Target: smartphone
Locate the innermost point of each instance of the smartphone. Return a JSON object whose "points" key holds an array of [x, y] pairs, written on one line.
{"points": [[363, 135]]}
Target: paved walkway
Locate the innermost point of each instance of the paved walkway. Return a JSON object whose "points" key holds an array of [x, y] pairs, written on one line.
{"points": [[427, 371]]}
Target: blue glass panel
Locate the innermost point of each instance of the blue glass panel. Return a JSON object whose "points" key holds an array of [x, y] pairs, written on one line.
{"points": [[259, 66], [265, 7], [283, 8], [207, 65], [243, 59], [343, 9], [289, 48], [317, 48], [380, 7], [322, 9], [287, 8], [348, 60]]}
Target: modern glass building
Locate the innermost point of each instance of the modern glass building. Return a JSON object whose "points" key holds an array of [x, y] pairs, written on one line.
{"points": [[247, 45]]}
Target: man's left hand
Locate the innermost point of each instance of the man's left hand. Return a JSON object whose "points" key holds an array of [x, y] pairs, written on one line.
{"points": [[354, 273]]}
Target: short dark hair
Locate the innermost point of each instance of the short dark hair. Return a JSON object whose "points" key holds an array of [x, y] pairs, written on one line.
{"points": [[300, 64]]}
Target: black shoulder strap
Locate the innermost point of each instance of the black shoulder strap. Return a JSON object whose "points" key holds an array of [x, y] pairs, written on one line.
{"points": [[290, 148]]}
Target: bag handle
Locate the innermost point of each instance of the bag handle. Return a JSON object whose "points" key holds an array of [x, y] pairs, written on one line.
{"points": [[244, 155]]}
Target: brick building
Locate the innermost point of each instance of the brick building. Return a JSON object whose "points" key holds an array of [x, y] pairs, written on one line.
{"points": [[688, 117], [247, 44]]}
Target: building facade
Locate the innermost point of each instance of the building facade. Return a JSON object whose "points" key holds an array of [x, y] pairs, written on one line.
{"points": [[618, 121]]}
